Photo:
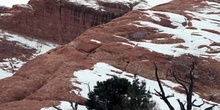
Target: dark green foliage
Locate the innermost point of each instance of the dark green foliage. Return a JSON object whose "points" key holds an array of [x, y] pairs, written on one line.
{"points": [[119, 94], [139, 97]]}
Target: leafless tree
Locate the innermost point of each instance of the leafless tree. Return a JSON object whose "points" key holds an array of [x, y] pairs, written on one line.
{"points": [[188, 90], [74, 107], [162, 94]]}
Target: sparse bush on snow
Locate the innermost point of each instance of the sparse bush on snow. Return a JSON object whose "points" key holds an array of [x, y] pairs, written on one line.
{"points": [[120, 94]]}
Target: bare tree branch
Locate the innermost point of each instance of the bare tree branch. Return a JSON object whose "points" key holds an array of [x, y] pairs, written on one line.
{"points": [[210, 108], [170, 96], [188, 87], [180, 82], [179, 79], [162, 94], [71, 104], [181, 105], [203, 102], [56, 108]]}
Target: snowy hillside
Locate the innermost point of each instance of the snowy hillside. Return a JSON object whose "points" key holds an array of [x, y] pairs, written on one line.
{"points": [[198, 35], [11, 64], [139, 4], [198, 30], [97, 54], [102, 71]]}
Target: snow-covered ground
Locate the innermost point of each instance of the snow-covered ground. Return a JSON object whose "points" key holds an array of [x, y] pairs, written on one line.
{"points": [[40, 46], [10, 3], [201, 39], [102, 71], [197, 41], [141, 4]]}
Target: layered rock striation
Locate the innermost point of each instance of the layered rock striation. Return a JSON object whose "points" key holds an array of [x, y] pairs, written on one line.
{"points": [[57, 20]]}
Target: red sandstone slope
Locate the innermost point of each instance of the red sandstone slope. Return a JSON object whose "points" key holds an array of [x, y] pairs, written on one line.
{"points": [[57, 21], [46, 79]]}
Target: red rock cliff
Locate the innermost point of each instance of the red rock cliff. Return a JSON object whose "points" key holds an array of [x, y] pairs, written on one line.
{"points": [[58, 21], [45, 80]]}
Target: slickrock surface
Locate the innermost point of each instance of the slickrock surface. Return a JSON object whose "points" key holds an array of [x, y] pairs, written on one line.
{"points": [[133, 43]]}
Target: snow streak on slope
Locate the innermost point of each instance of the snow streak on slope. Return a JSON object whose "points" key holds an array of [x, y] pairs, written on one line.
{"points": [[89, 3], [201, 36], [139, 4], [147, 4], [41, 47], [102, 71], [10, 3]]}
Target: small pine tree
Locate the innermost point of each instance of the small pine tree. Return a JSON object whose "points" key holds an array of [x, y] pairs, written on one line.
{"points": [[139, 97], [119, 94]]}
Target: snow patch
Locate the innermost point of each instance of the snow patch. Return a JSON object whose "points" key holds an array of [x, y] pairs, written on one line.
{"points": [[9, 66], [96, 41], [4, 74], [88, 3], [124, 43], [27, 6], [6, 14], [102, 71], [198, 41], [140, 4], [147, 4], [64, 105]]}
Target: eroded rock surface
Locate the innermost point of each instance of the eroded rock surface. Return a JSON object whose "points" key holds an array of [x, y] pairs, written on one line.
{"points": [[57, 21], [46, 79]]}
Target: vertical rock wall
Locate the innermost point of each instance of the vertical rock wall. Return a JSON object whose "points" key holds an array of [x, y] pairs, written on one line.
{"points": [[57, 21]]}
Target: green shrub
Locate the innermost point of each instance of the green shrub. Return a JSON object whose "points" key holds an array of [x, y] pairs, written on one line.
{"points": [[119, 94]]}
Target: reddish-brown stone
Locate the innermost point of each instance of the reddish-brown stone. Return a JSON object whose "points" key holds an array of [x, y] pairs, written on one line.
{"points": [[58, 21], [47, 77]]}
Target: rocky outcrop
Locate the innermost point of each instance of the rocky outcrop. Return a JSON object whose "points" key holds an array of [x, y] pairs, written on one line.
{"points": [[45, 80], [3, 9], [58, 21]]}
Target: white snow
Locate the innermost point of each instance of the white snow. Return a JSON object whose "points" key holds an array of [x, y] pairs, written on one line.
{"points": [[9, 66], [27, 6], [141, 4], [88, 3], [196, 40], [30, 43], [26, 42], [102, 71], [147, 4], [124, 43], [6, 14], [151, 14], [10, 3], [4, 74], [96, 41], [64, 105]]}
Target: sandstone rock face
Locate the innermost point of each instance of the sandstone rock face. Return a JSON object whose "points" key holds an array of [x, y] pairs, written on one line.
{"points": [[57, 21], [45, 80], [3, 9]]}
